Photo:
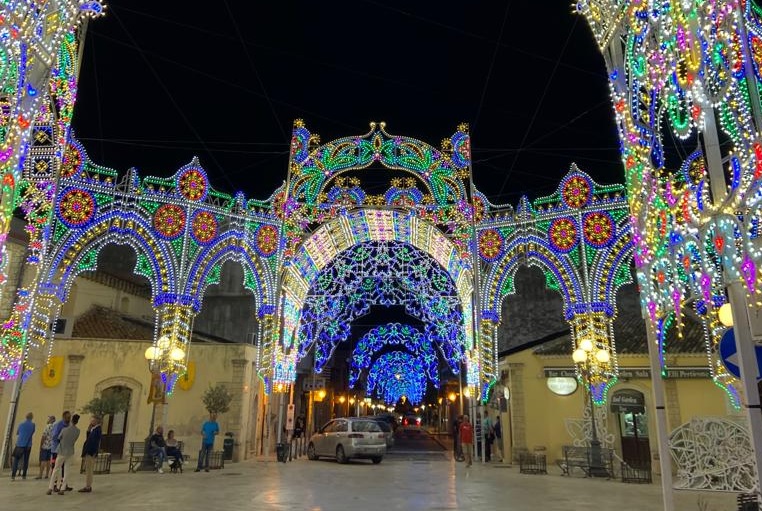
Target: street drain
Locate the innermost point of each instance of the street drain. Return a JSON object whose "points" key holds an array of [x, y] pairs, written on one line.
{"points": [[232, 473]]}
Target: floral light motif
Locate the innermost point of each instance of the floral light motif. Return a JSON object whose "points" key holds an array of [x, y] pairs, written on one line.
{"points": [[563, 234], [490, 244], [169, 221], [267, 240], [576, 192], [76, 207], [203, 227], [598, 228], [193, 185]]}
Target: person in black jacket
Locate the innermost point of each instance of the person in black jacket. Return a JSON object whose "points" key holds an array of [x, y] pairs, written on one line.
{"points": [[90, 451]]}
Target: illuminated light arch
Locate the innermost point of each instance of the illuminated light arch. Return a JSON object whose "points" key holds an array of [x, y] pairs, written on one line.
{"points": [[516, 254], [232, 245], [397, 374], [346, 231], [112, 227], [398, 335], [438, 169], [381, 273]]}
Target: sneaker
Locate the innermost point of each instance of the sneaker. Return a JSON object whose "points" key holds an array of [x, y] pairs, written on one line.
{"points": [[85, 490], [49, 492], [197, 470], [160, 471], [69, 488], [62, 493], [206, 470]]}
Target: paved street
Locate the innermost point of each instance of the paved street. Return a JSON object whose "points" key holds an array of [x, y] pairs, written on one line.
{"points": [[397, 483]]}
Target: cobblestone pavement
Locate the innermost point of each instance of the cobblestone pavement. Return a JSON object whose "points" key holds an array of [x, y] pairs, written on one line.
{"points": [[399, 482]]}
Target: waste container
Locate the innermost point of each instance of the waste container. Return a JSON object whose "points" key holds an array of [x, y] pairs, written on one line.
{"points": [[227, 446], [281, 452]]}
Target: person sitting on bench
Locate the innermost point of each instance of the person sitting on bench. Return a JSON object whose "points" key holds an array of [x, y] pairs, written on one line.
{"points": [[173, 449], [158, 448]]}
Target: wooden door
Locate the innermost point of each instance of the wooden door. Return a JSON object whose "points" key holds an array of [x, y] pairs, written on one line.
{"points": [[114, 429], [636, 449]]}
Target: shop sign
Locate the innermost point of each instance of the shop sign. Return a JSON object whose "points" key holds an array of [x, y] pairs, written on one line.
{"points": [[627, 400], [562, 385], [636, 373]]}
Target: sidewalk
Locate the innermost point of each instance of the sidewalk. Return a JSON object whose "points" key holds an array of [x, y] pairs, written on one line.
{"points": [[326, 485]]}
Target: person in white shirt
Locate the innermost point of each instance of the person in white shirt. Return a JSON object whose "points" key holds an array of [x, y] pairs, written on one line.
{"points": [[67, 438]]}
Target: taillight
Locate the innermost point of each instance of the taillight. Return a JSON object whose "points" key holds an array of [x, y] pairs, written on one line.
{"points": [[356, 435], [380, 435]]}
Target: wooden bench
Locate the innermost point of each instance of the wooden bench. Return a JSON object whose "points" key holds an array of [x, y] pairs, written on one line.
{"points": [[580, 457], [137, 455]]}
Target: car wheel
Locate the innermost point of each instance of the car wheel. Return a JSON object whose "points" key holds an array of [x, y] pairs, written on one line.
{"points": [[311, 452], [341, 457], [376, 459]]}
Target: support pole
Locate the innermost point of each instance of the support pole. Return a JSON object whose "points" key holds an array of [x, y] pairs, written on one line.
{"points": [[662, 431], [12, 412]]}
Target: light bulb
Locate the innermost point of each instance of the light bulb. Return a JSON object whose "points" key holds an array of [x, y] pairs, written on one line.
{"points": [[163, 343], [726, 314], [177, 354], [152, 353], [603, 356], [579, 355], [586, 344]]}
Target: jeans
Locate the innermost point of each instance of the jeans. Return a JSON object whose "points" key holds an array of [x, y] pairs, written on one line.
{"points": [[203, 456], [25, 466], [175, 453], [160, 454]]}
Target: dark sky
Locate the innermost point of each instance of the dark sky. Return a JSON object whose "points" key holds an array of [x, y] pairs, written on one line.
{"points": [[163, 81]]}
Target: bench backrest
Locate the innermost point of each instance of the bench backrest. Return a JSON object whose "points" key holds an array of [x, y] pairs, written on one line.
{"points": [[137, 448], [574, 452]]}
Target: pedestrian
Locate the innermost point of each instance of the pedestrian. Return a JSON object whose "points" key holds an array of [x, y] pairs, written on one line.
{"points": [[23, 447], [457, 451], [54, 444], [158, 448], [90, 452], [467, 439], [497, 429], [46, 444], [66, 440], [489, 436], [209, 430]]}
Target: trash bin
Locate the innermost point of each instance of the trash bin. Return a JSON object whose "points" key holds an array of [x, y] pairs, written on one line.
{"points": [[281, 452], [227, 446]]}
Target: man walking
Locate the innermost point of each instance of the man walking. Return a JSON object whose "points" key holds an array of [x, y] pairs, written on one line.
{"points": [[66, 441], [467, 439], [54, 444], [90, 451], [489, 436], [209, 430], [23, 446]]}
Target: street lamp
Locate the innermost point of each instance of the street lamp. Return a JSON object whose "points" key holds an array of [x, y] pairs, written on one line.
{"points": [[593, 363]]}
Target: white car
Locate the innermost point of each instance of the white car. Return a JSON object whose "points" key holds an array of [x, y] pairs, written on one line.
{"points": [[347, 438]]}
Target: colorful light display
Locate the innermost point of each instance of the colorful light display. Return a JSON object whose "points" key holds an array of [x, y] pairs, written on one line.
{"points": [[580, 238], [395, 375], [689, 68], [400, 336]]}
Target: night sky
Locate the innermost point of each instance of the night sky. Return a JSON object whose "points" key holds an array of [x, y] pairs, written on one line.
{"points": [[224, 80]]}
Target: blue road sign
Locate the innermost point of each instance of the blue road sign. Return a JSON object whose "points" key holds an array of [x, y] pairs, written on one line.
{"points": [[729, 355]]}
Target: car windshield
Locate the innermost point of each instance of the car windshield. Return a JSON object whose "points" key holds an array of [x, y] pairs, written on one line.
{"points": [[366, 426]]}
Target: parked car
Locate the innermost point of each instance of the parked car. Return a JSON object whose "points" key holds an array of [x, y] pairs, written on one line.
{"points": [[345, 438]]}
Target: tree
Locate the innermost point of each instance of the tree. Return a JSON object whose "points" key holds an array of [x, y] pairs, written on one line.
{"points": [[108, 403], [217, 399]]}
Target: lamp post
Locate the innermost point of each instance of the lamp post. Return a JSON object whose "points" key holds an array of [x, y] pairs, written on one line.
{"points": [[161, 358], [592, 362]]}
